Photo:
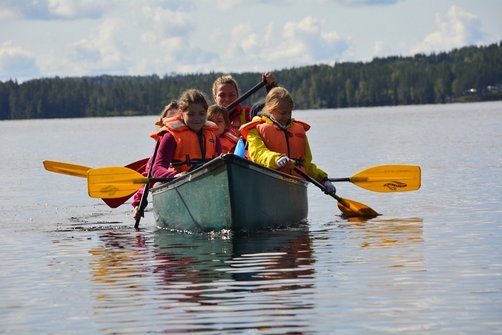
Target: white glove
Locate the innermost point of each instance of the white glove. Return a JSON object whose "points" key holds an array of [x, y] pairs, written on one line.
{"points": [[283, 161], [330, 188]]}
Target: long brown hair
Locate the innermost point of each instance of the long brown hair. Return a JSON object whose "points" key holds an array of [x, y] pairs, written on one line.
{"points": [[191, 96]]}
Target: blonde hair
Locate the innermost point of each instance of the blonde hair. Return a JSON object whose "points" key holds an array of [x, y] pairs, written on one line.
{"points": [[276, 96], [223, 80], [190, 97], [215, 110], [169, 110]]}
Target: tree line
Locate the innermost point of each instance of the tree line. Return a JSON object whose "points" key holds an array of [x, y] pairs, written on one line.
{"points": [[471, 73]]}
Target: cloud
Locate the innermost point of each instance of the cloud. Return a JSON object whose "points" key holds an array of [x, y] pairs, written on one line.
{"points": [[302, 42], [16, 62], [458, 29], [7, 13], [167, 32], [306, 42], [378, 48], [165, 22], [179, 50], [367, 2], [101, 53], [244, 42], [55, 9], [157, 36], [227, 5]]}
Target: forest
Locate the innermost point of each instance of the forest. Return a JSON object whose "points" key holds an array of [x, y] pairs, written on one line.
{"points": [[471, 73]]}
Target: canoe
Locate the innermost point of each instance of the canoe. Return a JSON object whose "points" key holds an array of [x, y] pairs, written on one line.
{"points": [[231, 193]]}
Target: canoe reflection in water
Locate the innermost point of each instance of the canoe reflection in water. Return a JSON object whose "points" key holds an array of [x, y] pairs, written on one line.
{"points": [[284, 254], [193, 282]]}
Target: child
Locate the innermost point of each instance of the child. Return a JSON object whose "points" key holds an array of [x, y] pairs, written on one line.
{"points": [[170, 110], [278, 141], [226, 91], [188, 140], [219, 115]]}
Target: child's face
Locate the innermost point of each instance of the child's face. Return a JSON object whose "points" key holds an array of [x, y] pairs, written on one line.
{"points": [[225, 95], [195, 117], [281, 113], [220, 122]]}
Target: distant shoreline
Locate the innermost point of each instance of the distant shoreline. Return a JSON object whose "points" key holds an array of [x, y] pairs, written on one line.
{"points": [[462, 75]]}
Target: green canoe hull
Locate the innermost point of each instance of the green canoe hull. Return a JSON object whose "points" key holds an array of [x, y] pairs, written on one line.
{"points": [[231, 193]]}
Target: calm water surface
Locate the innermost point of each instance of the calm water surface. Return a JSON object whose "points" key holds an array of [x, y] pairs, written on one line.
{"points": [[432, 263]]}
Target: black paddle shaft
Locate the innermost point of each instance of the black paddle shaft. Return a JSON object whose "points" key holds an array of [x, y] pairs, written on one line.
{"points": [[318, 184], [144, 196], [246, 95]]}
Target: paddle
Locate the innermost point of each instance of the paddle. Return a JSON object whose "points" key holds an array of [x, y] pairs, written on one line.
{"points": [[81, 171], [144, 196], [246, 95], [66, 168], [139, 166], [116, 181], [349, 208], [386, 178]]}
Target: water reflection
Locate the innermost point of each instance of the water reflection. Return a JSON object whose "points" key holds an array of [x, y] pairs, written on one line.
{"points": [[387, 232], [116, 258], [272, 255], [400, 241], [194, 283]]}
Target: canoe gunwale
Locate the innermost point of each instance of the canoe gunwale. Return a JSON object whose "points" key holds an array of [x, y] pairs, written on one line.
{"points": [[203, 170]]}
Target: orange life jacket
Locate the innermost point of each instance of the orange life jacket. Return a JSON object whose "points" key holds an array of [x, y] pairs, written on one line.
{"points": [[192, 149], [228, 142], [290, 141]]}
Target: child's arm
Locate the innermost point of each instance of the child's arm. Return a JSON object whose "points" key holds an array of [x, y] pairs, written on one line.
{"points": [[165, 154]]}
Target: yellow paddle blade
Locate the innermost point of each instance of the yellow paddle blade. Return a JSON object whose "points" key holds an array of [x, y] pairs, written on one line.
{"points": [[66, 168], [351, 208], [113, 182], [389, 178]]}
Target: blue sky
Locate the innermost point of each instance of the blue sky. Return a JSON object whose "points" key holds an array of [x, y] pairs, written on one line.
{"points": [[47, 38]]}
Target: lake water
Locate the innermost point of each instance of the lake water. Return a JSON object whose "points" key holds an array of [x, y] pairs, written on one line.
{"points": [[432, 263]]}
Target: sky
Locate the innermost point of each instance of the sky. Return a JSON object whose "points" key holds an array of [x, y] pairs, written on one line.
{"points": [[67, 38]]}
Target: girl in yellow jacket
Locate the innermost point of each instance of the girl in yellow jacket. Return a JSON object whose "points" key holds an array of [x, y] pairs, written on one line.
{"points": [[278, 141]]}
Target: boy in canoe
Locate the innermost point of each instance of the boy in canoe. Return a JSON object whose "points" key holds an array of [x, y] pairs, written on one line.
{"points": [[278, 141], [219, 115]]}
